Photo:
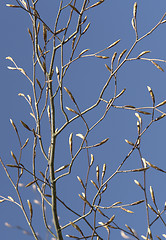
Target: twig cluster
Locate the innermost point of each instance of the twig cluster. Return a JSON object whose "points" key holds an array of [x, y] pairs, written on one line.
{"points": [[50, 87]]}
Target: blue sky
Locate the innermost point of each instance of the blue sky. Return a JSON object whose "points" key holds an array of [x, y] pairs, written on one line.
{"points": [[109, 22]]}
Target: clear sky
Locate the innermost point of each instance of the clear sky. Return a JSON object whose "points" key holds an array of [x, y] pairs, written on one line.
{"points": [[109, 22]]}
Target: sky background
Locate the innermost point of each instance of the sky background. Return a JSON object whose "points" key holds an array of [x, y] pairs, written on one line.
{"points": [[109, 22]]}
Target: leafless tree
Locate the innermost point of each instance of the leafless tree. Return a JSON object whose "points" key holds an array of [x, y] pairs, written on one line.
{"points": [[54, 50]]}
